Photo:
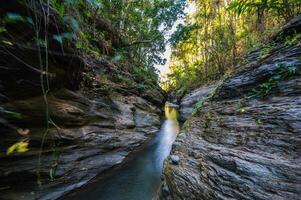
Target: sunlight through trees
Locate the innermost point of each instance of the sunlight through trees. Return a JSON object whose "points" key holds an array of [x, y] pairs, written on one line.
{"points": [[214, 39]]}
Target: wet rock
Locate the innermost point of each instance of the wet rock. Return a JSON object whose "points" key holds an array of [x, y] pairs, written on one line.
{"points": [[176, 145], [174, 159], [90, 137]]}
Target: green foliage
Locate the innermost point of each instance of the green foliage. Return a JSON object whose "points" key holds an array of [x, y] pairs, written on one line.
{"points": [[10, 113], [242, 104], [264, 89], [199, 104], [182, 33], [120, 55], [95, 3], [140, 24], [217, 36], [131, 32], [59, 6], [279, 74], [60, 38], [292, 40], [54, 164], [204, 48], [207, 121], [264, 51], [117, 58], [19, 147], [2, 29], [146, 76], [241, 7], [11, 18], [201, 167], [258, 121], [72, 22], [286, 8], [213, 92], [124, 80]]}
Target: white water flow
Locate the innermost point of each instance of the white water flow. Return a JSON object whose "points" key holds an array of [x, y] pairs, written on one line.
{"points": [[139, 179]]}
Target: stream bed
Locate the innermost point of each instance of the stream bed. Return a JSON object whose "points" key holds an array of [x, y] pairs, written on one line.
{"points": [[139, 179]]}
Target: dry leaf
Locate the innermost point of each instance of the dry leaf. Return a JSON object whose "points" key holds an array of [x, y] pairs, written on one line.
{"points": [[23, 132]]}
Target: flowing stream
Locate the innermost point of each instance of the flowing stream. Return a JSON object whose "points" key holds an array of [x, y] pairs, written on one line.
{"points": [[139, 179]]}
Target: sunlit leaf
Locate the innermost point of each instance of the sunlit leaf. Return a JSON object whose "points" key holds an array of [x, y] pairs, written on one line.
{"points": [[13, 17], [29, 20], [11, 113], [117, 58], [19, 147], [2, 29], [51, 174], [68, 35], [58, 38], [95, 3], [292, 70], [73, 22], [7, 42]]}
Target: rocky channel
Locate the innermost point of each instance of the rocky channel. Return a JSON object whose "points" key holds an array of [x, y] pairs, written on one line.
{"points": [[244, 143], [83, 126]]}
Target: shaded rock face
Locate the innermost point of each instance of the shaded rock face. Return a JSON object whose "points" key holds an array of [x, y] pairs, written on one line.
{"points": [[86, 136], [243, 144], [89, 131], [23, 63], [89, 136]]}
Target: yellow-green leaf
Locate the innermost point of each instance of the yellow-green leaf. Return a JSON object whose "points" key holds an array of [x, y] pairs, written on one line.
{"points": [[19, 147]]}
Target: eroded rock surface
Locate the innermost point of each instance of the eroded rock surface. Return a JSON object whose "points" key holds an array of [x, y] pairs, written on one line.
{"points": [[89, 136], [188, 102], [81, 115], [245, 142]]}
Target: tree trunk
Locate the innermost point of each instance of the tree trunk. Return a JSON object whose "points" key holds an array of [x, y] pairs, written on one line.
{"points": [[260, 21]]}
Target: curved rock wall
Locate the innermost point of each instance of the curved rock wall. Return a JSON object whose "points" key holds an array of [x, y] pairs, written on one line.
{"points": [[189, 101], [94, 122], [245, 142], [88, 137]]}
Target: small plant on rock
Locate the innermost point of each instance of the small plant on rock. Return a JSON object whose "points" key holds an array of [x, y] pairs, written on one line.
{"points": [[208, 119], [279, 74], [289, 41], [199, 104]]}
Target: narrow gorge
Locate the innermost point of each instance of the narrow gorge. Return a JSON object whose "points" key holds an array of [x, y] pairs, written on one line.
{"points": [[152, 99], [84, 126], [244, 141]]}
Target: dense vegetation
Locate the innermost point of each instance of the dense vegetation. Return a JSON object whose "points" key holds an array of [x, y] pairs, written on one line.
{"points": [[215, 37], [133, 34], [130, 33], [128, 37], [79, 85]]}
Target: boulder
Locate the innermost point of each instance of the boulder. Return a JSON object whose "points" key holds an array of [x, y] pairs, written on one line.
{"points": [[174, 159]]}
